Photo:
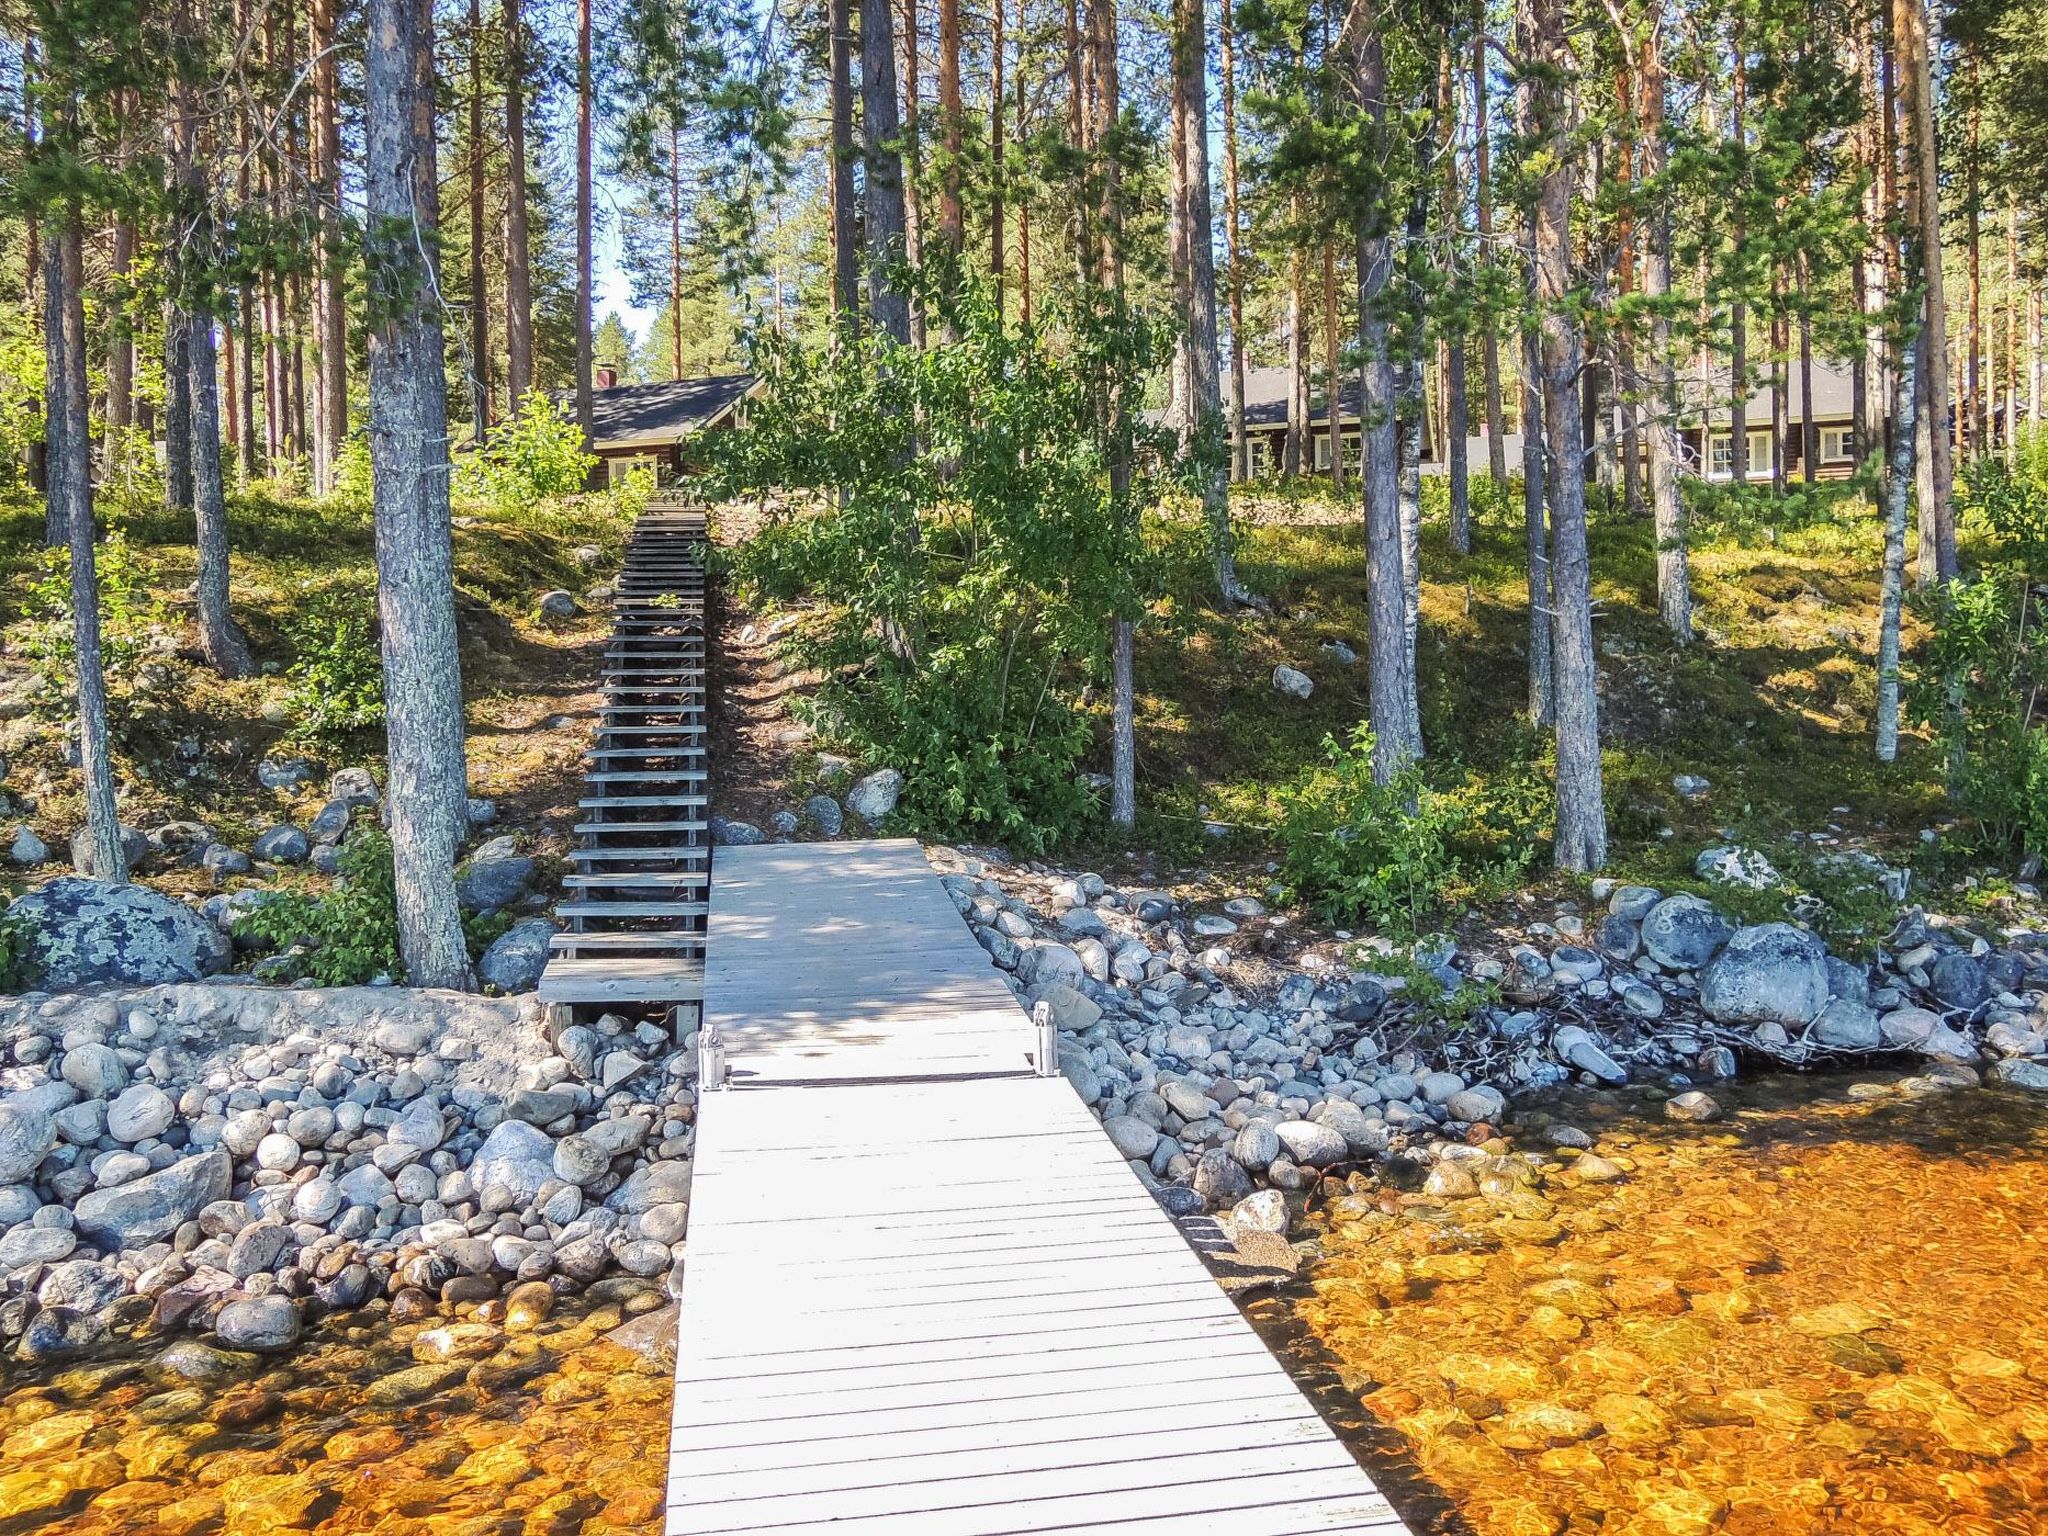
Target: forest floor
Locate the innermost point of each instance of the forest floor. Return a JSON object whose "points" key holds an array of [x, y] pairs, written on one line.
{"points": [[188, 743]]}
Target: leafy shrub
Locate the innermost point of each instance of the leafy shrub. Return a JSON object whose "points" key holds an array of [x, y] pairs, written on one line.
{"points": [[18, 968], [354, 485], [2012, 502], [351, 932], [129, 614], [336, 673], [1361, 850], [964, 546], [536, 455]]}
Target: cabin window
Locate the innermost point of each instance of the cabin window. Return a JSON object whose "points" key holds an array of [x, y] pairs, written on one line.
{"points": [[1721, 454], [1837, 444], [1322, 450], [616, 470]]}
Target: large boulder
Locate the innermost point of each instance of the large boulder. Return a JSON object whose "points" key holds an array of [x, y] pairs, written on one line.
{"points": [[155, 1206], [1682, 933], [519, 1156], [81, 932], [517, 956], [1773, 972], [489, 882], [27, 1136], [875, 796]]}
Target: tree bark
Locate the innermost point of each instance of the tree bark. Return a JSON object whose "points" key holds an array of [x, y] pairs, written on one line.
{"points": [[479, 292], [996, 151], [884, 165], [220, 638], [1482, 190], [913, 159], [518, 244], [1394, 746], [177, 410], [1667, 508], [1233, 241], [1908, 390], [586, 260], [120, 412], [1410, 410], [69, 461], [1937, 556], [1295, 458], [845, 247], [1581, 813], [952, 227], [1974, 416], [330, 298], [408, 447], [1457, 412], [1738, 316]]}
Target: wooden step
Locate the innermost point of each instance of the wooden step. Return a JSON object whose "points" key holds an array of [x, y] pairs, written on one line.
{"points": [[653, 939], [653, 730], [594, 909], [682, 853], [599, 828], [622, 979], [664, 776], [647, 801], [638, 880]]}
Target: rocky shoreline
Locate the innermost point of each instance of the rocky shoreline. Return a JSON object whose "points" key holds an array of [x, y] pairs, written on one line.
{"points": [[244, 1159]]}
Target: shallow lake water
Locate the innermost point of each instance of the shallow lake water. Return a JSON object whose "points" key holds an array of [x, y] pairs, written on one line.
{"points": [[1826, 1313]]}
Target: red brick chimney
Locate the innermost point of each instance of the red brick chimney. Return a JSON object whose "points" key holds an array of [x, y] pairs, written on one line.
{"points": [[607, 376]]}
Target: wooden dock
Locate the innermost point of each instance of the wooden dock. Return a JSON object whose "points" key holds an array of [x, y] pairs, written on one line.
{"points": [[634, 907], [924, 1295]]}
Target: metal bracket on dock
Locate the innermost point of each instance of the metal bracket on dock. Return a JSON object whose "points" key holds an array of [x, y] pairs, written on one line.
{"points": [[710, 1058], [1048, 1040]]}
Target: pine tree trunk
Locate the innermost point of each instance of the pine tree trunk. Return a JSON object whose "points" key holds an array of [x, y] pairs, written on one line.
{"points": [[1535, 523], [1974, 416], [1386, 603], [1482, 190], [913, 161], [1408, 387], [1908, 391], [479, 291], [1233, 236], [845, 248], [1667, 509], [586, 214], [1193, 223], [330, 297], [952, 227], [1023, 192], [69, 463], [1457, 412], [675, 252], [1937, 557], [997, 251], [220, 638], [1333, 392], [884, 167], [518, 243], [1295, 458], [1581, 813], [408, 448], [177, 411]]}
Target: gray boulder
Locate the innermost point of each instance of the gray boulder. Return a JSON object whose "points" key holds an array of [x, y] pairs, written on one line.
{"points": [[1960, 982], [27, 1136], [519, 1156], [81, 932], [875, 796], [825, 815], [283, 845], [353, 787], [557, 605], [1293, 683], [517, 956], [1770, 973], [488, 884], [1682, 933], [262, 1323], [152, 1208], [142, 1111], [133, 843], [28, 850], [736, 834], [1848, 1025], [1632, 903]]}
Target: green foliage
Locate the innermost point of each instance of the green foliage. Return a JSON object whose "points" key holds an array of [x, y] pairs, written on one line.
{"points": [[537, 455], [349, 934], [1976, 681], [336, 673], [130, 614], [353, 482], [2011, 501], [965, 544], [1426, 999], [21, 391], [18, 969]]}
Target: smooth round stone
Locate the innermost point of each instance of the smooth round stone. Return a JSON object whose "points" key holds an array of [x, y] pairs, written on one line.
{"points": [[245, 1131], [1692, 1106], [643, 1257], [120, 1168], [1437, 1087], [310, 1127], [259, 1323], [527, 1305], [580, 1160], [140, 1112], [277, 1153], [665, 1224], [318, 1201]]}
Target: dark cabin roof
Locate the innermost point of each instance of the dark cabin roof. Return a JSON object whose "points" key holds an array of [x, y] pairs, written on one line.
{"points": [[649, 415]]}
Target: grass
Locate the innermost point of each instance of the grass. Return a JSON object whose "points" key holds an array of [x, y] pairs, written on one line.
{"points": [[1773, 706], [188, 742]]}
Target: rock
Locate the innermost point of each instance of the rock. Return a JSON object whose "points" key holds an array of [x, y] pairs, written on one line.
{"points": [[1340, 653], [133, 844], [1692, 1106], [81, 1284], [1450, 1181], [873, 797], [1960, 982], [1909, 1028], [494, 883], [1729, 865], [141, 1112], [27, 1244], [1133, 1138], [28, 850], [823, 812], [1477, 1103], [517, 1156], [517, 956], [1219, 1180], [1255, 1146], [153, 1208], [1771, 972], [82, 932], [1072, 1011], [1310, 1144], [1574, 1046], [1294, 684], [220, 861], [1361, 1003], [27, 1136], [283, 845], [262, 1323], [283, 772], [1632, 903], [527, 1306], [95, 1070], [581, 1161], [557, 605], [1619, 938], [1682, 933], [1847, 1025], [1690, 785], [2019, 1073], [736, 834], [1265, 1211], [1595, 1169]]}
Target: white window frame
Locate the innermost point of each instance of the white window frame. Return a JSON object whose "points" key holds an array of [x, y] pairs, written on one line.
{"points": [[616, 470], [1720, 455], [1760, 451], [1837, 445], [1322, 438]]}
